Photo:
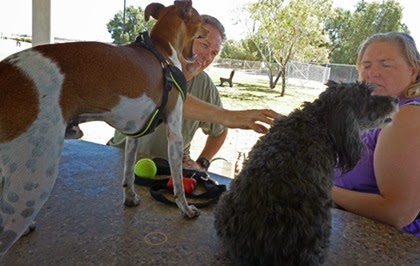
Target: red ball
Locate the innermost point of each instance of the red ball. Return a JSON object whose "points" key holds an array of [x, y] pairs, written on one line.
{"points": [[189, 184]]}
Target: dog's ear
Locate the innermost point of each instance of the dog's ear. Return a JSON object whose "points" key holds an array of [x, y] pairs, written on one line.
{"points": [[344, 131], [153, 10], [185, 9], [331, 84], [342, 124]]}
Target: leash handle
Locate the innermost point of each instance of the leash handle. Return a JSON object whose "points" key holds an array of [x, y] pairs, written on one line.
{"points": [[158, 187], [157, 192]]}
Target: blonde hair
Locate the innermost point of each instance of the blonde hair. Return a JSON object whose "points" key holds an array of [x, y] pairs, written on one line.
{"points": [[409, 51]]}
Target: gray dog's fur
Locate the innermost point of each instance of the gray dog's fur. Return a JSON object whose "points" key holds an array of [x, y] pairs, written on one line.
{"points": [[277, 211]]}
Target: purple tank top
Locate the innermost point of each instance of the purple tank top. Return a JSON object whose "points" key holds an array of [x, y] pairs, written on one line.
{"points": [[362, 177]]}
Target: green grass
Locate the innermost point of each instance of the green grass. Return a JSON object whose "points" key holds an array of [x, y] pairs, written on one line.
{"points": [[249, 92], [256, 94]]}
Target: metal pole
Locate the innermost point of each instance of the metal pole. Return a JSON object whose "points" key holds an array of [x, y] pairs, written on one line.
{"points": [[41, 22]]}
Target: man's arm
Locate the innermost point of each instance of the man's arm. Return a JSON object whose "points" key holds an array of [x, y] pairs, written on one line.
{"points": [[197, 109], [212, 146]]}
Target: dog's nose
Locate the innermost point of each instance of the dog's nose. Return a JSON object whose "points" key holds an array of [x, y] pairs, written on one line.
{"points": [[396, 100]]}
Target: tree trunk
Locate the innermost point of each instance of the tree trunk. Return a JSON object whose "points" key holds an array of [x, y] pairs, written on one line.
{"points": [[270, 73], [277, 79], [283, 80]]}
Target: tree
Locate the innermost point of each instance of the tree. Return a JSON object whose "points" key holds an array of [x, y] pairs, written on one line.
{"points": [[338, 26], [134, 24], [283, 30], [242, 50], [348, 30]]}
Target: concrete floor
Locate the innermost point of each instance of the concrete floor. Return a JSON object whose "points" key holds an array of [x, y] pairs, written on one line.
{"points": [[85, 223]]}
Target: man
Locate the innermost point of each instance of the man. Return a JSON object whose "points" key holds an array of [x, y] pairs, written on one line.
{"points": [[200, 86]]}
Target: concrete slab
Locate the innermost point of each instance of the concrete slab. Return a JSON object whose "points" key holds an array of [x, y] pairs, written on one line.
{"points": [[85, 223]]}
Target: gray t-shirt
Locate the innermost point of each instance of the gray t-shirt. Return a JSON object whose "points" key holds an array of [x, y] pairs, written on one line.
{"points": [[155, 144]]}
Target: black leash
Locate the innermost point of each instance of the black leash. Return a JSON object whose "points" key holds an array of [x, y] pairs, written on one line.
{"points": [[160, 191]]}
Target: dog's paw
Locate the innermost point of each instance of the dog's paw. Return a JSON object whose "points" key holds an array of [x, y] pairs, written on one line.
{"points": [[190, 212], [132, 201]]}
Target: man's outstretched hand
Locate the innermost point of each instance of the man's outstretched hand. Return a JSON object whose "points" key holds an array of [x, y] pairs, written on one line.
{"points": [[196, 109], [250, 119]]}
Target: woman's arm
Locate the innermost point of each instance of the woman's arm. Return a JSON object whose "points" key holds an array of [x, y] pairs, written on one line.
{"points": [[397, 170]]}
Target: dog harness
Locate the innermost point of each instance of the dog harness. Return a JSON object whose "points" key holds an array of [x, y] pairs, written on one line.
{"points": [[171, 76]]}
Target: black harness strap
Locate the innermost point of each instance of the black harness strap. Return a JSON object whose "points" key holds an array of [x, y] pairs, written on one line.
{"points": [[172, 76]]}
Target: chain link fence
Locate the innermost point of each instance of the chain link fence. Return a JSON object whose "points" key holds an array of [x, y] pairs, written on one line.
{"points": [[298, 73]]}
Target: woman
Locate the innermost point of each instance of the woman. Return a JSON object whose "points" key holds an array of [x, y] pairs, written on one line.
{"points": [[385, 184]]}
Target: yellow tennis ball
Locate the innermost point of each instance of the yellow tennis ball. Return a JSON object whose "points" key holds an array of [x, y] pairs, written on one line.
{"points": [[145, 168]]}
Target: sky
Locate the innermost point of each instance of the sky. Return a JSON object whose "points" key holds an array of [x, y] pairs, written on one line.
{"points": [[87, 19]]}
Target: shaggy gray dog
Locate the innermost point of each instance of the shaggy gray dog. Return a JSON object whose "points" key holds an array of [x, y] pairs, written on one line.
{"points": [[277, 211]]}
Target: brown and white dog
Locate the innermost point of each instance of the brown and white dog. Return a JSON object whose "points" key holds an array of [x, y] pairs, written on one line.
{"points": [[45, 87]]}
